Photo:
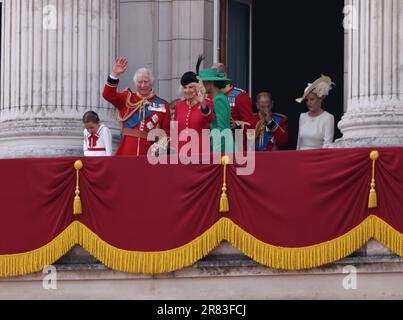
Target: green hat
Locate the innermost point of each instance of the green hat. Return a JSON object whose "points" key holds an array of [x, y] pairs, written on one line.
{"points": [[212, 75]]}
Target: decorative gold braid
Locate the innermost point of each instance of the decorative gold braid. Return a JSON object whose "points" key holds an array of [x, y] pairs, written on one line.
{"points": [[260, 126], [132, 108]]}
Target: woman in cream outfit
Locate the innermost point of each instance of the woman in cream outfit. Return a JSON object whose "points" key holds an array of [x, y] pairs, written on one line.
{"points": [[316, 127]]}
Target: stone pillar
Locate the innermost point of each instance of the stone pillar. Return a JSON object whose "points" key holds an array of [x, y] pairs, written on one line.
{"points": [[56, 55], [191, 34], [374, 62], [167, 37]]}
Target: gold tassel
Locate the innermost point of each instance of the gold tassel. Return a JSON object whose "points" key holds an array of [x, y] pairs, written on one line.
{"points": [[373, 198], [78, 165], [224, 203]]}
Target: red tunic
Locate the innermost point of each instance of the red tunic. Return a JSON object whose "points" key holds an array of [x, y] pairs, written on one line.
{"points": [[193, 118], [241, 106], [155, 114], [241, 109]]}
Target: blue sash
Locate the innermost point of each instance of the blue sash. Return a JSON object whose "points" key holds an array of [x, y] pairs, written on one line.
{"points": [[267, 137], [136, 118], [139, 116]]}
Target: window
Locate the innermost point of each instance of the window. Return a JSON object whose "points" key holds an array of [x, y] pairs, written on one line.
{"points": [[237, 20]]}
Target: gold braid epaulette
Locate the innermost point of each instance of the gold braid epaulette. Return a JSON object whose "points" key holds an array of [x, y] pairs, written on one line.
{"points": [[260, 126], [132, 108]]}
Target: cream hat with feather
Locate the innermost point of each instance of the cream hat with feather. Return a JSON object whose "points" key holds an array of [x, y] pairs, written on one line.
{"points": [[320, 87]]}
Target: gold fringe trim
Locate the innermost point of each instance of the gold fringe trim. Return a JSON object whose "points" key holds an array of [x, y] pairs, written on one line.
{"points": [[151, 262], [299, 258], [114, 258], [187, 255], [36, 260], [388, 236], [317, 255]]}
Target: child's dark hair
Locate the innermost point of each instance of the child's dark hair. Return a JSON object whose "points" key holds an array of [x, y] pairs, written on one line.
{"points": [[90, 116], [220, 84]]}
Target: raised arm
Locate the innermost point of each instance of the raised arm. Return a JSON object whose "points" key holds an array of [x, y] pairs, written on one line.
{"points": [[110, 92], [119, 67]]}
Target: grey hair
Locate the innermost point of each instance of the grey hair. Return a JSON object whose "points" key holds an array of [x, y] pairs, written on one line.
{"points": [[143, 70]]}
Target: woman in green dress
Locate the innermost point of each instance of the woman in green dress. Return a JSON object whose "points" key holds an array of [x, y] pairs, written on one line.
{"points": [[221, 135]]}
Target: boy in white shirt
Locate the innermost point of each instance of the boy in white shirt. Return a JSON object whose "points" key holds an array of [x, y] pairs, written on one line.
{"points": [[97, 137]]}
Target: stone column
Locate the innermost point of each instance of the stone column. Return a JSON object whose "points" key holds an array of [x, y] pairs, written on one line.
{"points": [[191, 34], [166, 36], [374, 63], [56, 55]]}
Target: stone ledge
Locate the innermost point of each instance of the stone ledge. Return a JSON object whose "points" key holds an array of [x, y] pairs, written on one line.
{"points": [[84, 272], [224, 252], [226, 266], [223, 261]]}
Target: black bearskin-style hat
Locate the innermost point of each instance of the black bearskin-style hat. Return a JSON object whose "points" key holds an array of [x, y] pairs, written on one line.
{"points": [[189, 77]]}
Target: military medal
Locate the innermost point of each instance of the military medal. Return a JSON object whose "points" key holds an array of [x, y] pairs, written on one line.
{"points": [[154, 118], [232, 101]]}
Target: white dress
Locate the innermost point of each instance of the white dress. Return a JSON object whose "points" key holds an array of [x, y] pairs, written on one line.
{"points": [[100, 145], [314, 132]]}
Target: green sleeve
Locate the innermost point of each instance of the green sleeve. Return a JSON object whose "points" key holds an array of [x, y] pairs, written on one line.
{"points": [[222, 111]]}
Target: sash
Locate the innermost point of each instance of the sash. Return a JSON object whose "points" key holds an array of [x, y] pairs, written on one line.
{"points": [[136, 118], [263, 143], [151, 106]]}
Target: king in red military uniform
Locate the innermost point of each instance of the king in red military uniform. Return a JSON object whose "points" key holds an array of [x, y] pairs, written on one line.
{"points": [[140, 112]]}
